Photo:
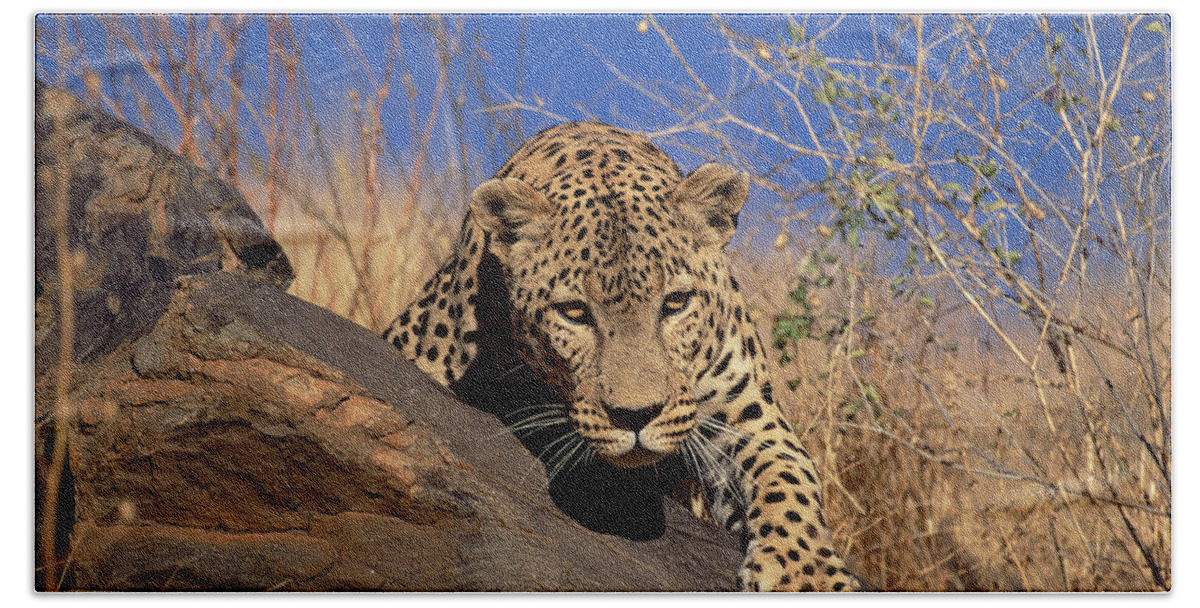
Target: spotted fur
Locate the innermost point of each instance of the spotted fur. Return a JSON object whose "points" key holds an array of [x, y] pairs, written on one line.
{"points": [[618, 295]]}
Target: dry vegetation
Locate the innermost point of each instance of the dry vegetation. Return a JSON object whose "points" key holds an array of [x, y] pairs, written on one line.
{"points": [[972, 310]]}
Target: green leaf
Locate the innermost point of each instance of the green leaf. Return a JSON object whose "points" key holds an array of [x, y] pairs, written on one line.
{"points": [[925, 301], [798, 295], [853, 407], [1154, 27], [871, 393], [978, 195], [796, 32]]}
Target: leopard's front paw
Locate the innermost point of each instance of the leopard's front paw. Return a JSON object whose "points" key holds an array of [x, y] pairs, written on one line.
{"points": [[792, 566]]}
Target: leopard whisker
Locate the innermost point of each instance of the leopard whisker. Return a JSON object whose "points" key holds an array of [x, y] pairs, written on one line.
{"points": [[570, 459], [539, 420], [718, 467], [720, 427]]}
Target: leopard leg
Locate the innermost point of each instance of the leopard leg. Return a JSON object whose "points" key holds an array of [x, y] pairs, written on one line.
{"points": [[788, 544]]}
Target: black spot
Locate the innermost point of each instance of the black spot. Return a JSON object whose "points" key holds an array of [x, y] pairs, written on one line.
{"points": [[750, 412], [781, 531], [802, 498], [722, 364], [441, 330], [432, 353], [762, 467], [831, 571], [811, 531], [824, 552], [800, 543], [768, 393], [809, 570], [749, 462], [765, 529], [838, 586], [773, 497], [561, 159], [582, 154], [792, 516], [737, 390], [793, 555], [788, 477]]}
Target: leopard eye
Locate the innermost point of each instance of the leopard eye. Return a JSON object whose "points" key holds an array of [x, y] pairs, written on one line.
{"points": [[575, 311], [676, 302]]}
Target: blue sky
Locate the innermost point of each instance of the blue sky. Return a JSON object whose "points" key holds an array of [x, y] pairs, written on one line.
{"points": [[558, 64]]}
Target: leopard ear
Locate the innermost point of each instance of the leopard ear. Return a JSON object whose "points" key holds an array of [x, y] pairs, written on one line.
{"points": [[511, 210], [715, 194]]}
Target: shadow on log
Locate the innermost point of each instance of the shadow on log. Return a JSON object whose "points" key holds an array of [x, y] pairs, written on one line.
{"points": [[233, 437]]}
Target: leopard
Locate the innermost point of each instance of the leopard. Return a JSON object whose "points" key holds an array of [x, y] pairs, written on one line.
{"points": [[594, 264]]}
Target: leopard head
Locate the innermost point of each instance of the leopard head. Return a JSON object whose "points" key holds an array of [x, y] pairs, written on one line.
{"points": [[619, 288]]}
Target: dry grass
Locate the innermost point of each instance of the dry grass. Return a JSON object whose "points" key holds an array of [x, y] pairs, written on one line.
{"points": [[986, 426], [957, 480]]}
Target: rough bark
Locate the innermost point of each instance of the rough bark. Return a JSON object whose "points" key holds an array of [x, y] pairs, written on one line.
{"points": [[225, 435]]}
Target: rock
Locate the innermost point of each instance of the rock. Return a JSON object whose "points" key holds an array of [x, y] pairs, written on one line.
{"points": [[269, 444], [137, 216]]}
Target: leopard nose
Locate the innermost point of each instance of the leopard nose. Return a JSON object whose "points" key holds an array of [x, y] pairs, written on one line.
{"points": [[633, 419]]}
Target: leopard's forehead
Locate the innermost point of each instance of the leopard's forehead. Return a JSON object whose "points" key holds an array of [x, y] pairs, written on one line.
{"points": [[613, 228]]}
